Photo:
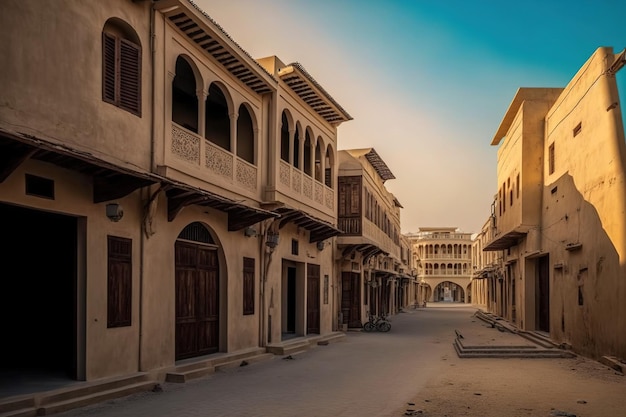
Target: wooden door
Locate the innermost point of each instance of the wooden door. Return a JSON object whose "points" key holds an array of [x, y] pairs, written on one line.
{"points": [[313, 299], [351, 299], [197, 300]]}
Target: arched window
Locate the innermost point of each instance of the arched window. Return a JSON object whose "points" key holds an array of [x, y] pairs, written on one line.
{"points": [[121, 66], [284, 139], [217, 119], [184, 99], [245, 135], [196, 232]]}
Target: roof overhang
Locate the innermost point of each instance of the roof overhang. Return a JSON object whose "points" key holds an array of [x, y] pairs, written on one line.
{"points": [[110, 181], [303, 84], [367, 251], [379, 165], [240, 215], [506, 240], [318, 229], [210, 37], [522, 94]]}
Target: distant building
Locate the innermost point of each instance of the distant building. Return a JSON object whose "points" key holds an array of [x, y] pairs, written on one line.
{"points": [[375, 278], [558, 224], [442, 257]]}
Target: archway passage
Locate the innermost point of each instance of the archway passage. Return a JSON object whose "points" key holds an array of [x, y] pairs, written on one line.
{"points": [[197, 293], [448, 291], [39, 297]]}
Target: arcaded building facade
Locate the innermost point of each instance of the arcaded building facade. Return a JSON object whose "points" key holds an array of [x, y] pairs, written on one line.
{"points": [[558, 216], [164, 196], [442, 258]]}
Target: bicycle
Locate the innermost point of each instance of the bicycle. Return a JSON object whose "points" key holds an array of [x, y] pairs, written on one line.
{"points": [[379, 323]]}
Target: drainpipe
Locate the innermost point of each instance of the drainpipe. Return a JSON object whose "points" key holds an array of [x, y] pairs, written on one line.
{"points": [[266, 259], [145, 192]]}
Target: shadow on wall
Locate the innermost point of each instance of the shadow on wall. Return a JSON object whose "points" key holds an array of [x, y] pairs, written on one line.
{"points": [[587, 285]]}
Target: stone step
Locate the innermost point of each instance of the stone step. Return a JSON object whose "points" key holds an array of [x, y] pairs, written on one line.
{"points": [[76, 396], [198, 368], [238, 363], [51, 407]]}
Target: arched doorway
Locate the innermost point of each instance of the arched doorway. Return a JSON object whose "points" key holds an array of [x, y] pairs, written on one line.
{"points": [[449, 291], [197, 292]]}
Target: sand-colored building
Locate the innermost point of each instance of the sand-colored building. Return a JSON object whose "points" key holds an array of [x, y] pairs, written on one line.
{"points": [[164, 196], [558, 218], [442, 258], [374, 278]]}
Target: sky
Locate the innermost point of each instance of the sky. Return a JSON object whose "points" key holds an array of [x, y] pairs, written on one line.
{"points": [[428, 82]]}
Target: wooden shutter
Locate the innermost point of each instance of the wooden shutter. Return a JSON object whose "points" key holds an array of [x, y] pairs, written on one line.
{"points": [[248, 286], [119, 285], [130, 77], [108, 68], [121, 73]]}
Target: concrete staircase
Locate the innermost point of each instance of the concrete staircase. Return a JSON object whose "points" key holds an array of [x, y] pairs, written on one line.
{"points": [[75, 396], [509, 351], [510, 344]]}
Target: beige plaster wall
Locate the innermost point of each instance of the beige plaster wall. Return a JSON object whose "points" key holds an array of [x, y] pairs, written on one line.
{"points": [[52, 80]]}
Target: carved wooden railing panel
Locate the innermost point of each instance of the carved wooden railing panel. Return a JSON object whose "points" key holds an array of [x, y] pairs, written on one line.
{"points": [[185, 144]]}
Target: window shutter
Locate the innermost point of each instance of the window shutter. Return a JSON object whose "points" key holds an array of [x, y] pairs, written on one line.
{"points": [[130, 77], [119, 291], [248, 286], [108, 67]]}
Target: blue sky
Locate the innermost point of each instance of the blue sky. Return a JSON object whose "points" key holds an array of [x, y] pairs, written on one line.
{"points": [[428, 82]]}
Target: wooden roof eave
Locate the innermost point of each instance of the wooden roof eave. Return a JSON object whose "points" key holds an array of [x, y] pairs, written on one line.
{"points": [[225, 49]]}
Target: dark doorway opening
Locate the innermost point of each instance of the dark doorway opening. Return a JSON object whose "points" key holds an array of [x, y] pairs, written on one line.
{"points": [[291, 300], [38, 301], [543, 294]]}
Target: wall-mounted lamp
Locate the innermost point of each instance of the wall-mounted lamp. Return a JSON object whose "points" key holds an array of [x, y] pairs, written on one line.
{"points": [[250, 231], [114, 212], [320, 245], [272, 240]]}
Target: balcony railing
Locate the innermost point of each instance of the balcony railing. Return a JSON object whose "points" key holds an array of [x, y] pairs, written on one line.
{"points": [[302, 185], [212, 159], [445, 256]]}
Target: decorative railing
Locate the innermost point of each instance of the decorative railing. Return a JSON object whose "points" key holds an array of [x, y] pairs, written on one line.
{"points": [[301, 185], [185, 144], [188, 146]]}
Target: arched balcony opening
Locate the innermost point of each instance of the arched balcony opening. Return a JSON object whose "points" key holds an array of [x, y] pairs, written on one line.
{"points": [[284, 138], [217, 118], [307, 154], [318, 161], [184, 98], [296, 148], [328, 167], [245, 135]]}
